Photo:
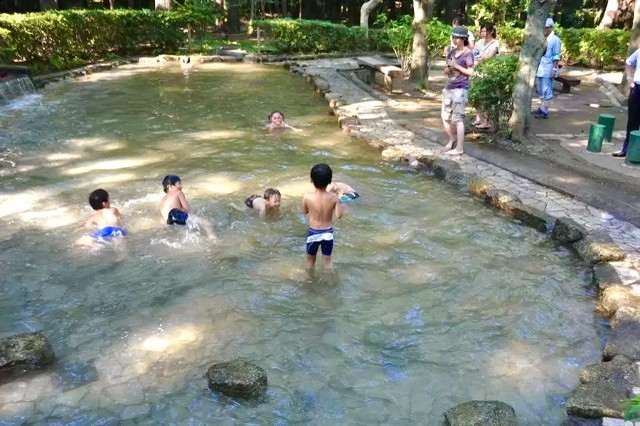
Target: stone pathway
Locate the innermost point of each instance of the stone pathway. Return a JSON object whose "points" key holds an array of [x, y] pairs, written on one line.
{"points": [[364, 114]]}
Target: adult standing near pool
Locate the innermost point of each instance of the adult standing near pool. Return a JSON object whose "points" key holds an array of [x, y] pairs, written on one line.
{"points": [[487, 47], [633, 108], [548, 69], [459, 69]]}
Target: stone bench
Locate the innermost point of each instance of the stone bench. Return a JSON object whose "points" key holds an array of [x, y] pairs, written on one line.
{"points": [[389, 72], [567, 83]]}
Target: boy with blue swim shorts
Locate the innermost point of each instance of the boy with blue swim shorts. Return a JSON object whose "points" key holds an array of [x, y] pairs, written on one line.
{"points": [[105, 220], [174, 206], [320, 205]]}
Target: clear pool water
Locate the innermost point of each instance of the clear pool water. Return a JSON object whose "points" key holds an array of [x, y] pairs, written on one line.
{"points": [[435, 299]]}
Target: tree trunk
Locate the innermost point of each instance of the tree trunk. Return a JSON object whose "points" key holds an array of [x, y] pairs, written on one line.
{"points": [[233, 16], [163, 4], [527, 66], [610, 15], [366, 10], [634, 44], [419, 52], [283, 7]]}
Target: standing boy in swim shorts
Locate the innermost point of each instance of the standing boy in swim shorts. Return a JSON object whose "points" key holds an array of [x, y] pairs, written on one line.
{"points": [[269, 202], [320, 205], [104, 221]]}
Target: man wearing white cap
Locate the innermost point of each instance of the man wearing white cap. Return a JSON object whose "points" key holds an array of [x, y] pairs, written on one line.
{"points": [[547, 70]]}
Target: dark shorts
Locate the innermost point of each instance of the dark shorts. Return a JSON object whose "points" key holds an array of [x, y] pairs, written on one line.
{"points": [[249, 201], [109, 232], [177, 217], [322, 238]]}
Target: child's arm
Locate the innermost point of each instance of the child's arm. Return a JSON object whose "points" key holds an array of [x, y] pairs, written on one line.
{"points": [[285, 125], [117, 212], [338, 210], [90, 224], [305, 207], [184, 204]]}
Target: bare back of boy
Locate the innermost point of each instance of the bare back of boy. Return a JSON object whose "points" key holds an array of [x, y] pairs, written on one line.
{"points": [[109, 216], [173, 200], [320, 205]]}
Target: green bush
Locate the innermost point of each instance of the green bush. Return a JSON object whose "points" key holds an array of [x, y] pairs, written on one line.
{"points": [[309, 36], [71, 37], [492, 87], [594, 48]]}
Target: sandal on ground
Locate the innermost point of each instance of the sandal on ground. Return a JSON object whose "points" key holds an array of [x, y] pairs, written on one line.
{"points": [[479, 127]]}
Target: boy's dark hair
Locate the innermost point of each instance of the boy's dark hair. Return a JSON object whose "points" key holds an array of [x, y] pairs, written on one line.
{"points": [[321, 175], [97, 199], [270, 192], [276, 112], [169, 180]]}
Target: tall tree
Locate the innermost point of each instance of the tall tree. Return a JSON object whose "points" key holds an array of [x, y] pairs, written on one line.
{"points": [[610, 15], [529, 60], [366, 10], [422, 10]]}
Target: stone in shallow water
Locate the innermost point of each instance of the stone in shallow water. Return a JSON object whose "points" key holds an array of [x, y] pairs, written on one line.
{"points": [[237, 378], [532, 217], [604, 387], [501, 199], [567, 231], [598, 248], [623, 340], [480, 413], [616, 297], [478, 187], [28, 351]]}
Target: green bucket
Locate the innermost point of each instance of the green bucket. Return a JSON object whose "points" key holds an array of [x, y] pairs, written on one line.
{"points": [[596, 135], [633, 149], [608, 121]]}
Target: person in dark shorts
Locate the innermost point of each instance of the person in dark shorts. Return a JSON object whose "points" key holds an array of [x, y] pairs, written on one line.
{"points": [[267, 203]]}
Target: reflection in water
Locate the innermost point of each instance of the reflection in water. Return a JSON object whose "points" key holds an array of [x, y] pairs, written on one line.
{"points": [[434, 299]]}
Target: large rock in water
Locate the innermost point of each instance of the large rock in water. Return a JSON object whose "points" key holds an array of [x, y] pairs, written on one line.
{"points": [[481, 413], [28, 351], [237, 378]]}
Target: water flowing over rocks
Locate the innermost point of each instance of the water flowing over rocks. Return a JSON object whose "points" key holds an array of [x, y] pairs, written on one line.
{"points": [[237, 378], [481, 413], [23, 352]]}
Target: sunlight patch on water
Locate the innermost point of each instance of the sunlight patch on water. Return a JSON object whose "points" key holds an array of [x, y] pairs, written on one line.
{"points": [[216, 184], [112, 165], [211, 135]]}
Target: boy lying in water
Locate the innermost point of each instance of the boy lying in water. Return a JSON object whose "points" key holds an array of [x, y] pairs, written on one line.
{"points": [[104, 221]]}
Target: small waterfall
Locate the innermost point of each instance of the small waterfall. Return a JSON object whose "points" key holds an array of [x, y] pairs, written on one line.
{"points": [[15, 86]]}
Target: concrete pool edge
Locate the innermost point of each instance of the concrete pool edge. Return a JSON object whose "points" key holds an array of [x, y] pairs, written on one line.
{"points": [[361, 113]]}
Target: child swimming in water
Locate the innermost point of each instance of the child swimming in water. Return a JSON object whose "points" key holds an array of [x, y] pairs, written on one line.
{"points": [[104, 221], [174, 206], [269, 202], [276, 122], [344, 192]]}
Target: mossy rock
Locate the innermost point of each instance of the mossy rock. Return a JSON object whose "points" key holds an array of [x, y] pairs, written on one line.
{"points": [[23, 352], [237, 378], [481, 413]]}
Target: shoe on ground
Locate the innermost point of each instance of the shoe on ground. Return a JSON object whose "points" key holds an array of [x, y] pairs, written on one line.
{"points": [[542, 115], [536, 111], [619, 154]]}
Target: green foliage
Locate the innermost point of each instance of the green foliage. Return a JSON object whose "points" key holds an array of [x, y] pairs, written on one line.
{"points": [[631, 409], [510, 38], [492, 87], [593, 47], [499, 11], [67, 38], [398, 36], [438, 36], [310, 36]]}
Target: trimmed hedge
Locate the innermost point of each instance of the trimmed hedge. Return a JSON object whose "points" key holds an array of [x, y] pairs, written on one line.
{"points": [[310, 36], [70, 37], [584, 46]]}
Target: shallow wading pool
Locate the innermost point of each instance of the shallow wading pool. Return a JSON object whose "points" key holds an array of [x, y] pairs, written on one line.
{"points": [[435, 300]]}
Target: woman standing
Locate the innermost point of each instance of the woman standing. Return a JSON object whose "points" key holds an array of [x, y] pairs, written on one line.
{"points": [[459, 69], [487, 47]]}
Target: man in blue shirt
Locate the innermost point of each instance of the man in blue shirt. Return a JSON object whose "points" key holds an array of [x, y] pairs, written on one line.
{"points": [[548, 69], [633, 113]]}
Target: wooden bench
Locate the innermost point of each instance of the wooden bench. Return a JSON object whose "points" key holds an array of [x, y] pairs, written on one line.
{"points": [[567, 83], [388, 71]]}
